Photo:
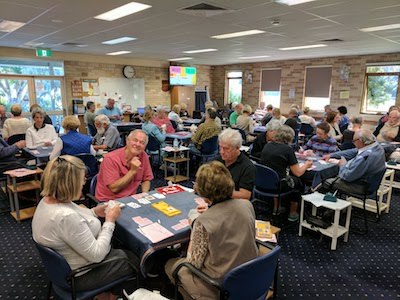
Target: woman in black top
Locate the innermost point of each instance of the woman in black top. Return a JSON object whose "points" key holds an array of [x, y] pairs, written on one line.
{"points": [[279, 156], [348, 134]]}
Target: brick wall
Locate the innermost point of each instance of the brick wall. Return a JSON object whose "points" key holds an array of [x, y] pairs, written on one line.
{"points": [[293, 74], [75, 70]]}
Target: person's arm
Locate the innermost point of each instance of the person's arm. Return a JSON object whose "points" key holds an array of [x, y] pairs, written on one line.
{"points": [[79, 237], [52, 135], [241, 194], [246, 183], [111, 138], [57, 149], [5, 132], [198, 246], [354, 170], [347, 154], [158, 134], [92, 150], [298, 171], [6, 151], [122, 182], [29, 139], [146, 186]]}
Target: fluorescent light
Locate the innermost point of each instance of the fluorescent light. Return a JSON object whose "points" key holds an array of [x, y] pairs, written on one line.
{"points": [[292, 2], [254, 57], [303, 47], [379, 28], [33, 44], [122, 11], [118, 53], [119, 40], [180, 58], [237, 34], [10, 26], [200, 51]]}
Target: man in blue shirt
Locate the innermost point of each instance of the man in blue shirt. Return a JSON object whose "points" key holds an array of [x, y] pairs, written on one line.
{"points": [[112, 112]]}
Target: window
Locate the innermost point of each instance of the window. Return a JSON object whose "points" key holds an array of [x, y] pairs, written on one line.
{"points": [[380, 88], [234, 87], [29, 82], [317, 87], [270, 91]]}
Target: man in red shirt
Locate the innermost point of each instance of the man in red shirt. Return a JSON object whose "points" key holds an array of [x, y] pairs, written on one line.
{"points": [[124, 169]]}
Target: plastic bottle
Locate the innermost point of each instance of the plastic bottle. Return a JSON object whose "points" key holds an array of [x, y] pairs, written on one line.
{"points": [[176, 143]]}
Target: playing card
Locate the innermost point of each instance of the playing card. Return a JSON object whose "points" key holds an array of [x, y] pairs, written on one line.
{"points": [[141, 221], [159, 196], [143, 201], [133, 205], [177, 227], [149, 197], [139, 196]]}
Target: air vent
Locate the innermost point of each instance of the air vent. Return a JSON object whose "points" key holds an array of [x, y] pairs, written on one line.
{"points": [[74, 44], [332, 40], [204, 10]]}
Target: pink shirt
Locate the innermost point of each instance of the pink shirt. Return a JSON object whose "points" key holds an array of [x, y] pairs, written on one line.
{"points": [[113, 167], [159, 122]]}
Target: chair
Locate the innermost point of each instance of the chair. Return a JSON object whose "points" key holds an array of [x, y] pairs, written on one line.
{"points": [[92, 167], [153, 148], [307, 130], [250, 280], [15, 138], [267, 184], [370, 191], [62, 278], [209, 149], [197, 114], [91, 129], [174, 124], [91, 199], [243, 134]]}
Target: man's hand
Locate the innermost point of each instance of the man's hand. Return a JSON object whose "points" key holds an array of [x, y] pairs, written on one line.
{"points": [[342, 161], [326, 157], [135, 163], [20, 144]]}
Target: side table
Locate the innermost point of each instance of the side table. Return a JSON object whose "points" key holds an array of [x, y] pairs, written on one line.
{"points": [[335, 230], [181, 155], [15, 187]]}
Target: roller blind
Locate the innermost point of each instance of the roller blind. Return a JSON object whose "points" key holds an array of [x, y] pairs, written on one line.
{"points": [[271, 80], [318, 81]]}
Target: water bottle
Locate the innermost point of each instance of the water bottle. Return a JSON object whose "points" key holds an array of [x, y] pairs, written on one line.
{"points": [[176, 143]]}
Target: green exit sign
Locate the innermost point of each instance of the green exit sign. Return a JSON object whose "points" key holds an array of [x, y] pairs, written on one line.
{"points": [[43, 52]]}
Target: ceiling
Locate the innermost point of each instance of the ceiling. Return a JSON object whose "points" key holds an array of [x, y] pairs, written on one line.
{"points": [[164, 31]]}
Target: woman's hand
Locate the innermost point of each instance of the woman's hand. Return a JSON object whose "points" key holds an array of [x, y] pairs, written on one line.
{"points": [[201, 208], [113, 213], [99, 210]]}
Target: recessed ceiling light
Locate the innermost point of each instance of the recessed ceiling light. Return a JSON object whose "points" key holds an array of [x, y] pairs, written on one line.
{"points": [[56, 21], [379, 28], [303, 47], [200, 51], [119, 40], [254, 57], [33, 44], [237, 34], [10, 26], [292, 2], [180, 58], [118, 53], [122, 11]]}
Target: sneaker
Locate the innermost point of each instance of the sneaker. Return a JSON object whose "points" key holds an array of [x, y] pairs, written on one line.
{"points": [[293, 217]]}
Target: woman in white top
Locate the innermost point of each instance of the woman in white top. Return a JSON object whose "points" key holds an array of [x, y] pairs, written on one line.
{"points": [[306, 119], [17, 124], [174, 114], [333, 118], [245, 122], [40, 134], [76, 232], [276, 114]]}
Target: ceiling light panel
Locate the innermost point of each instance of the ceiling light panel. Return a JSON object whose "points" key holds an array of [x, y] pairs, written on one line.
{"points": [[10, 26], [237, 34], [200, 51], [122, 11], [119, 40], [293, 2], [118, 53], [180, 58], [380, 28], [303, 47], [254, 57]]}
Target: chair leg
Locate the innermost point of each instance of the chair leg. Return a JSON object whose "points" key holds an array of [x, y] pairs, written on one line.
{"points": [[365, 215], [378, 212]]}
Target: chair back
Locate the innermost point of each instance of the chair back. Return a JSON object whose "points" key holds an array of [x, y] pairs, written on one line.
{"points": [[90, 162], [197, 114], [174, 124], [93, 184], [57, 128], [306, 129], [209, 146], [15, 138], [56, 266], [242, 133], [252, 279], [153, 144], [267, 180], [91, 129], [374, 181]]}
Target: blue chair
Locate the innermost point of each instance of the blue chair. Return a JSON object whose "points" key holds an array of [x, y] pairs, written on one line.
{"points": [[62, 278], [92, 168], [153, 148], [250, 281], [91, 129], [174, 124], [15, 138], [267, 185], [91, 199], [209, 149]]}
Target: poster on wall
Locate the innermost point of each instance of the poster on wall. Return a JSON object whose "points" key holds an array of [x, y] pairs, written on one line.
{"points": [[90, 87], [76, 87]]}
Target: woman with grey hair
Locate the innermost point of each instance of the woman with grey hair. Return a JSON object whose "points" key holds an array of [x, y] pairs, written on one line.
{"points": [[40, 134], [280, 157], [263, 138], [17, 124]]}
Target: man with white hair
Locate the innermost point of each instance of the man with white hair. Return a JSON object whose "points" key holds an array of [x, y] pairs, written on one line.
{"points": [[390, 132], [112, 112], [239, 165], [357, 165], [107, 136]]}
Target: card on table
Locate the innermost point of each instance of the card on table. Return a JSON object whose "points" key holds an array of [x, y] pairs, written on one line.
{"points": [[200, 201], [155, 232], [159, 196], [143, 201], [139, 196], [141, 221], [133, 205]]}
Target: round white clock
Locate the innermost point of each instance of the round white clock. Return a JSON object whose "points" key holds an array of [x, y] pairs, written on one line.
{"points": [[128, 71]]}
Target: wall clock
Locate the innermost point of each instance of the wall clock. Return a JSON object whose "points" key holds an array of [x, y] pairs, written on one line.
{"points": [[128, 71]]}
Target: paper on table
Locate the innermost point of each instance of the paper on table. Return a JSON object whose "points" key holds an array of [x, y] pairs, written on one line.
{"points": [[21, 172], [316, 198], [271, 240], [155, 232]]}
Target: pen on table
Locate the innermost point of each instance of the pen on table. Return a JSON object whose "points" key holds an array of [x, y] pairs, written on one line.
{"points": [[159, 221]]}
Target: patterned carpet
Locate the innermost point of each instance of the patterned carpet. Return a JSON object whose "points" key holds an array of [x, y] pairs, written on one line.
{"points": [[367, 267]]}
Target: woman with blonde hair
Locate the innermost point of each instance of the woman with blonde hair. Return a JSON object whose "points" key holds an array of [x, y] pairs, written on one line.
{"points": [[217, 244], [174, 114], [305, 118], [75, 232], [276, 115], [245, 122]]}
